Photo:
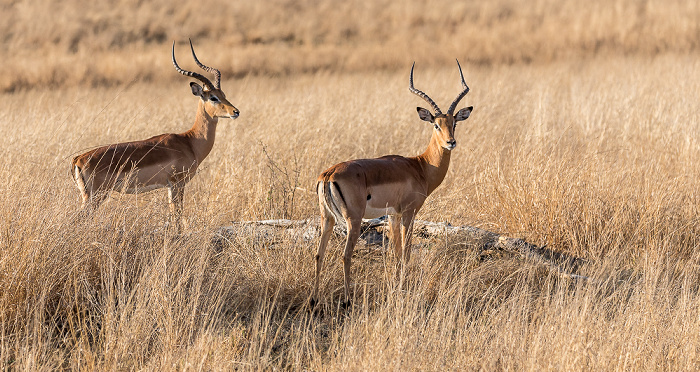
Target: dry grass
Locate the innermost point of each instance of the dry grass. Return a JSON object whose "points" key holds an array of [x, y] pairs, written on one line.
{"points": [[596, 159], [48, 43], [585, 137]]}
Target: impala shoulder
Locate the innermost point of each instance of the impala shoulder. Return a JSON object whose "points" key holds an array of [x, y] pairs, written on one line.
{"points": [[164, 142], [161, 138], [401, 162], [391, 157]]}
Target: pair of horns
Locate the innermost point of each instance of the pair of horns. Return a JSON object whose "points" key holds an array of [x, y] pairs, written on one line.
{"points": [[200, 77], [432, 103]]}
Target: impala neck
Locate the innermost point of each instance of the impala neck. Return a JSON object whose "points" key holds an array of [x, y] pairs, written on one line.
{"points": [[202, 133], [435, 161]]}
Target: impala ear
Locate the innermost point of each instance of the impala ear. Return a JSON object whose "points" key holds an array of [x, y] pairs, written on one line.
{"points": [[464, 113], [196, 89], [425, 115]]}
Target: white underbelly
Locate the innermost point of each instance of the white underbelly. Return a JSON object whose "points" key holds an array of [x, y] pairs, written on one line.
{"points": [[143, 180], [141, 188], [371, 212]]}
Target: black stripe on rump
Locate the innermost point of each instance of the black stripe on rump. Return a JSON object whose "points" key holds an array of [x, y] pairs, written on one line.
{"points": [[340, 193], [330, 202]]}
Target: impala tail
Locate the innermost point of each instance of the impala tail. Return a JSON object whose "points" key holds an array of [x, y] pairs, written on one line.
{"points": [[75, 172], [332, 198]]}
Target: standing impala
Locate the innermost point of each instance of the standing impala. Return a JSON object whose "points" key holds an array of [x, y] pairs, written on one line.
{"points": [[168, 160], [391, 185]]}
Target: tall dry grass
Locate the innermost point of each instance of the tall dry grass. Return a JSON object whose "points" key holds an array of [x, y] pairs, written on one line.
{"points": [[48, 43], [596, 159]]}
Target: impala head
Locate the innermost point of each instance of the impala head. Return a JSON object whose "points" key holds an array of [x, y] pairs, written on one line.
{"points": [[213, 98], [444, 124]]}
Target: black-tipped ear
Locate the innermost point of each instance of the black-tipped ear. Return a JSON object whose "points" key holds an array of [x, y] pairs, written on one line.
{"points": [[425, 115], [464, 113], [196, 89]]}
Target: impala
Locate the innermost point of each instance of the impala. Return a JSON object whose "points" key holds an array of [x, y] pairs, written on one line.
{"points": [[390, 185], [167, 160]]}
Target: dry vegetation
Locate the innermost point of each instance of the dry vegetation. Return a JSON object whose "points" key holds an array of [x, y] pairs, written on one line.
{"points": [[597, 158], [51, 43]]}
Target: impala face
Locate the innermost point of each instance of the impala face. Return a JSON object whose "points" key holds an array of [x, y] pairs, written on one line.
{"points": [[445, 125], [216, 104]]}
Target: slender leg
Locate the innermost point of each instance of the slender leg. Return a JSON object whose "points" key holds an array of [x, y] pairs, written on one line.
{"points": [[176, 195], [87, 207], [354, 227], [327, 223], [406, 232], [92, 197], [91, 201], [395, 234]]}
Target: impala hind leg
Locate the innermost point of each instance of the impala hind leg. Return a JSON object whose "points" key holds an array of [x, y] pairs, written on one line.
{"points": [[354, 229], [327, 223], [176, 196], [91, 202], [91, 196]]}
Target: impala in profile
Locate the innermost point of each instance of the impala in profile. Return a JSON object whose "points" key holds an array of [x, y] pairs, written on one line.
{"points": [[391, 185], [167, 160]]}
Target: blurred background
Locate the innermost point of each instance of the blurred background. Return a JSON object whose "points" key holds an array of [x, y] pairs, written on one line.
{"points": [[52, 43]]}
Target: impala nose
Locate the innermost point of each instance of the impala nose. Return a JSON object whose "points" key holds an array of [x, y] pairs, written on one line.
{"points": [[235, 115], [451, 144]]}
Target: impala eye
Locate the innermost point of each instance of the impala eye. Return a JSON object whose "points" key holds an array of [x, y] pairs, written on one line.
{"points": [[213, 99], [437, 127]]}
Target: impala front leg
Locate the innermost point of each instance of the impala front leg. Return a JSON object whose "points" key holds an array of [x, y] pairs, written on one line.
{"points": [[395, 234], [176, 196], [406, 233]]}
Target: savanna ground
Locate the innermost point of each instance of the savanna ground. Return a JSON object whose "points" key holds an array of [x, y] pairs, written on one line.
{"points": [[584, 137]]}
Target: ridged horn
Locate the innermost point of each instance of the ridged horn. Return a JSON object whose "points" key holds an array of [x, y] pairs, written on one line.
{"points": [[190, 73], [421, 94], [461, 95], [217, 73]]}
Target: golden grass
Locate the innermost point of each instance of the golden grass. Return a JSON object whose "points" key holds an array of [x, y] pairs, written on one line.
{"points": [[47, 43], [596, 159], [584, 137]]}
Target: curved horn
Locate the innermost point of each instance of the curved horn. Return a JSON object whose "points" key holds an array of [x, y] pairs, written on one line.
{"points": [[421, 94], [217, 73], [192, 74], [461, 95]]}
